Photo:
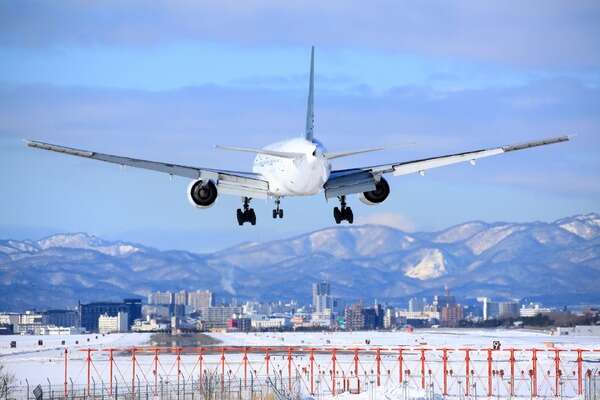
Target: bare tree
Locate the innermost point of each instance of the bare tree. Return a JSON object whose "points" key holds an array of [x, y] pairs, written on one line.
{"points": [[7, 381]]}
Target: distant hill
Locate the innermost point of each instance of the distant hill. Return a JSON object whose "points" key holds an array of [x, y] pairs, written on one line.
{"points": [[558, 262]]}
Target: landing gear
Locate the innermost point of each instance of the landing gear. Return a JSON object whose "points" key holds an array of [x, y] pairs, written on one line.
{"points": [[248, 215], [277, 212], [343, 213]]}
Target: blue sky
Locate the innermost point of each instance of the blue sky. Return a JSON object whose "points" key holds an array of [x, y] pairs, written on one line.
{"points": [[169, 80]]}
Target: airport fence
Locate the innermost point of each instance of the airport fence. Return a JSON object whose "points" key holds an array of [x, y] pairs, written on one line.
{"points": [[278, 373], [592, 385], [211, 388]]}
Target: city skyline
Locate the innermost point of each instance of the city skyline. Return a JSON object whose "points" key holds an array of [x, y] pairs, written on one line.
{"points": [[192, 311]]}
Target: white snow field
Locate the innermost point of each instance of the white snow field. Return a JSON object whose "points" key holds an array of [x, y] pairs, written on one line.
{"points": [[479, 338], [364, 365], [38, 363]]}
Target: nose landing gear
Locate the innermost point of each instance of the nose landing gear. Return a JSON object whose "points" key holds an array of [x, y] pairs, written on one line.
{"points": [[248, 215], [277, 212], [343, 213]]}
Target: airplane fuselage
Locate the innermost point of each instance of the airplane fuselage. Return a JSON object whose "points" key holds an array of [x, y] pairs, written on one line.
{"points": [[301, 176]]}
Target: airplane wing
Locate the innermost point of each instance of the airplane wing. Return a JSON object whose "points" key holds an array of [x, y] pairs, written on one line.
{"points": [[358, 180], [228, 182]]}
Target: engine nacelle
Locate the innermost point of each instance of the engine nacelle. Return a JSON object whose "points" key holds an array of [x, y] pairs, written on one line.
{"points": [[381, 192], [202, 194]]}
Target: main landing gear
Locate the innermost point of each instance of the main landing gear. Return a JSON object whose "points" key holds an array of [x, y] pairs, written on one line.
{"points": [[277, 212], [343, 213], [248, 215]]}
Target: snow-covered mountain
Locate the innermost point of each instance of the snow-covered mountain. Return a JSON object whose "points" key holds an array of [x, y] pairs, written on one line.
{"points": [[585, 226], [70, 241], [559, 261]]}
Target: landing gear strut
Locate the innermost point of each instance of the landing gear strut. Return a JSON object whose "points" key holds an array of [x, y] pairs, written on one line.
{"points": [[248, 214], [343, 213], [277, 212]]}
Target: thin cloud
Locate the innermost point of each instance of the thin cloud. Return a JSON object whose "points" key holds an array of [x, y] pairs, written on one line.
{"points": [[185, 124], [544, 34]]}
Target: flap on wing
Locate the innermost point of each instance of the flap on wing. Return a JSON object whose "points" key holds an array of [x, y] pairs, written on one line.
{"points": [[349, 182], [242, 186]]}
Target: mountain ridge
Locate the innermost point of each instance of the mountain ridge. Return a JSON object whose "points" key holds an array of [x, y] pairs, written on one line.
{"points": [[500, 259]]}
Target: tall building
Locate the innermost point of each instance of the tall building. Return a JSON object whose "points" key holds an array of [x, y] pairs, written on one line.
{"points": [[389, 318], [508, 309], [451, 315], [489, 308], [450, 312], [181, 298], [200, 299], [373, 317], [354, 317], [321, 297], [415, 305], [134, 309], [160, 298]]}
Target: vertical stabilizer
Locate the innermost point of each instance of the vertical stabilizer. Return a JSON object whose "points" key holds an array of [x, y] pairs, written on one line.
{"points": [[310, 115]]}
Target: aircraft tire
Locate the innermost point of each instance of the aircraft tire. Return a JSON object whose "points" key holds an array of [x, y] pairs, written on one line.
{"points": [[337, 215], [349, 215]]}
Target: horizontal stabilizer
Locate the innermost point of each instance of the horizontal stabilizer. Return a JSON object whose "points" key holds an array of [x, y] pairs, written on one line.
{"points": [[273, 153], [331, 155]]}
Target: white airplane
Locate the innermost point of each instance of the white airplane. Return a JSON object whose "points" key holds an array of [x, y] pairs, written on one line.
{"points": [[296, 167]]}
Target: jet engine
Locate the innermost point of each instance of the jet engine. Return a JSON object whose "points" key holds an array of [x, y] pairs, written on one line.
{"points": [[202, 194], [381, 192]]}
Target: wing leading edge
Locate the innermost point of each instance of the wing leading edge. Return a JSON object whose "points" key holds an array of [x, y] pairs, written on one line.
{"points": [[229, 182], [349, 181]]}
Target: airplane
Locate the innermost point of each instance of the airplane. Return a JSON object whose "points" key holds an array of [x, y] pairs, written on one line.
{"points": [[300, 166]]}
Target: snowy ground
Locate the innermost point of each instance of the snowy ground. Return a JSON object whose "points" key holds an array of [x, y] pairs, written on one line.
{"points": [[453, 338], [38, 364]]}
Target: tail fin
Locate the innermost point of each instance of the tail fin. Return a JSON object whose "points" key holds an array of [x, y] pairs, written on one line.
{"points": [[310, 115]]}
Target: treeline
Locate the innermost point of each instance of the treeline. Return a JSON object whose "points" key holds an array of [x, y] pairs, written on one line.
{"points": [[563, 318]]}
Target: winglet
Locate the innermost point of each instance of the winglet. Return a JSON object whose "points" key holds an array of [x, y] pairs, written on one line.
{"points": [[310, 115], [535, 143], [59, 149]]}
